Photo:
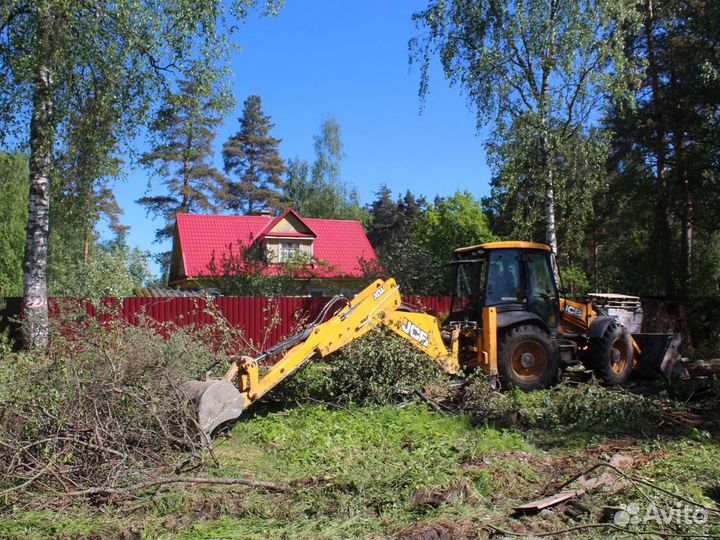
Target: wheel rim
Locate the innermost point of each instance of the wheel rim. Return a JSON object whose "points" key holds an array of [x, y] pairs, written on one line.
{"points": [[529, 361], [618, 356]]}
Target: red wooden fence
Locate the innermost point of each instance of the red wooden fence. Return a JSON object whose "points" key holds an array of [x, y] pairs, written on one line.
{"points": [[252, 315]]}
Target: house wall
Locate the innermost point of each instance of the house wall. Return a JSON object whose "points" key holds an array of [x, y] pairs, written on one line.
{"points": [[177, 270]]}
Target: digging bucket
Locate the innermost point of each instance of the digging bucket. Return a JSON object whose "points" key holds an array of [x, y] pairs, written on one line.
{"points": [[660, 355], [216, 402]]}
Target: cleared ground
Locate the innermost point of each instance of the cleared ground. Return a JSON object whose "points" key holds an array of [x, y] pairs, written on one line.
{"points": [[409, 471]]}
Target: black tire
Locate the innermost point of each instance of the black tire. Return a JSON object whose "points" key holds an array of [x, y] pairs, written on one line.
{"points": [[528, 358], [611, 356]]}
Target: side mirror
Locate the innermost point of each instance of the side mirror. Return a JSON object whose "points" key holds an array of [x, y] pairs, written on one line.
{"points": [[563, 292]]}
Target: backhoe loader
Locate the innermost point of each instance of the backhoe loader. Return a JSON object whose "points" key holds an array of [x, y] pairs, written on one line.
{"points": [[507, 320]]}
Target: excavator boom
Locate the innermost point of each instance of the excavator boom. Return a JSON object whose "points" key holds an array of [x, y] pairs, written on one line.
{"points": [[219, 402]]}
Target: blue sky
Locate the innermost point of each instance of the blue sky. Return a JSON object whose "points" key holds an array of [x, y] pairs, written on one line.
{"points": [[348, 60]]}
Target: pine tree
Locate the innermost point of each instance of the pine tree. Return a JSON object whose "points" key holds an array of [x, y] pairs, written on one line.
{"points": [[252, 156], [185, 128], [665, 148]]}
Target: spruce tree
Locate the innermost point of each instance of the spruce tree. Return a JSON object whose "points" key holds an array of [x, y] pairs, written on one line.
{"points": [[384, 215], [252, 156], [393, 222], [184, 128]]}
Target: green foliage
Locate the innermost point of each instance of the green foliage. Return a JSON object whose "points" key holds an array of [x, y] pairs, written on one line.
{"points": [[318, 191], [586, 407], [517, 201], [453, 222], [666, 146], [514, 56], [252, 156], [418, 271], [14, 176], [119, 53], [83, 168], [184, 132], [379, 368], [415, 240], [575, 281], [112, 270], [393, 233]]}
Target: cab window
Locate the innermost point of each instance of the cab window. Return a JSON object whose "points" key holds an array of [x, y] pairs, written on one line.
{"points": [[503, 285], [468, 291], [542, 293]]}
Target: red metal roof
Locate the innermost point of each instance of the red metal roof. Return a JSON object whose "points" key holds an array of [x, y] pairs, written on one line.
{"points": [[289, 235], [341, 244]]}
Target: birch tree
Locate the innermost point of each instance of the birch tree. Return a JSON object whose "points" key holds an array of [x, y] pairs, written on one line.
{"points": [[545, 61], [52, 53]]}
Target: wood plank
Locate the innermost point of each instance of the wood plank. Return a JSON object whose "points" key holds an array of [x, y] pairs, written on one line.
{"points": [[546, 502]]}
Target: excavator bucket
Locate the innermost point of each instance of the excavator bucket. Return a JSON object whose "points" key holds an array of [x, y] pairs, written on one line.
{"points": [[216, 403], [660, 355]]}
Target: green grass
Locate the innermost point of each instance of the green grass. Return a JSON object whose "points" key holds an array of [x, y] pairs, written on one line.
{"points": [[366, 472]]}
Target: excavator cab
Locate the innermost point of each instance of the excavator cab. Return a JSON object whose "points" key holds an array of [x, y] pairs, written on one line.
{"points": [[514, 277]]}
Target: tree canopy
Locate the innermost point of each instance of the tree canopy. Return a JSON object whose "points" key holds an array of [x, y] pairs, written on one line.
{"points": [[318, 190], [13, 225]]}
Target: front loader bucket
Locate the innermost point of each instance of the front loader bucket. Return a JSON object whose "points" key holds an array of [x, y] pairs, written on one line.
{"points": [[216, 403], [660, 355]]}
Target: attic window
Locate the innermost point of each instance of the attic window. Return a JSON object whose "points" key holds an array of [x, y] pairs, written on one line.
{"points": [[289, 250]]}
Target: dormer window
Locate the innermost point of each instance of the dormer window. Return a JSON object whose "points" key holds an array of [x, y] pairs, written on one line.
{"points": [[288, 250]]}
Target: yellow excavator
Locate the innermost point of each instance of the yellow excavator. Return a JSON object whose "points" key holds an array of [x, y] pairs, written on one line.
{"points": [[507, 320]]}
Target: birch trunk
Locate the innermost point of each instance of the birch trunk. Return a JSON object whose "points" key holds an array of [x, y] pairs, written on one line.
{"points": [[550, 213], [36, 250], [550, 225]]}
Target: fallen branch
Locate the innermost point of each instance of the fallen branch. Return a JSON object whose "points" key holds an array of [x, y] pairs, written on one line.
{"points": [[430, 402], [270, 486], [27, 482]]}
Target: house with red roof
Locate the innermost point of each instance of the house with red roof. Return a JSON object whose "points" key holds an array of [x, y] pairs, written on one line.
{"points": [[335, 250]]}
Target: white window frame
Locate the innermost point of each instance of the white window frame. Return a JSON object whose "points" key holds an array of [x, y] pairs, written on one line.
{"points": [[288, 249]]}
